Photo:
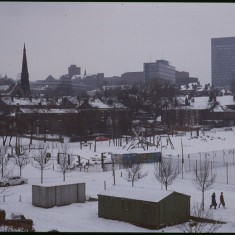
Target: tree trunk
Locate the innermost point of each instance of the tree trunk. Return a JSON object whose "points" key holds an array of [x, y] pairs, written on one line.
{"points": [[64, 175], [10, 140], [41, 176], [20, 170], [203, 200], [4, 140]]}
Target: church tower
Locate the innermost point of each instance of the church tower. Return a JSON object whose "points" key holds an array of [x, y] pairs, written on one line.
{"points": [[25, 75]]}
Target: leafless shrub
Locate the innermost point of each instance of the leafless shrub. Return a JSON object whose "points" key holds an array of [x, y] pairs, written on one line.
{"points": [[41, 161], [202, 221], [64, 159], [203, 179], [165, 172], [134, 172]]}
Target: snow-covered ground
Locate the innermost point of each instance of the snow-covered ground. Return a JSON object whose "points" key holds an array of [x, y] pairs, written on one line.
{"points": [[83, 217]]}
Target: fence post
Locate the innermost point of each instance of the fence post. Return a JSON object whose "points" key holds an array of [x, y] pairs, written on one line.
{"points": [[200, 162], [196, 169], [189, 162], [233, 156], [104, 185], [178, 163], [20, 198], [223, 158], [211, 169], [213, 159], [227, 171], [113, 172]]}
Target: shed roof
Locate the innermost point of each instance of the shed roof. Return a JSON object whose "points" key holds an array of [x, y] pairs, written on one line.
{"points": [[137, 193]]}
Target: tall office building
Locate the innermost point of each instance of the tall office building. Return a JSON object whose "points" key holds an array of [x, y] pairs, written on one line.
{"points": [[222, 61], [159, 70], [73, 70]]}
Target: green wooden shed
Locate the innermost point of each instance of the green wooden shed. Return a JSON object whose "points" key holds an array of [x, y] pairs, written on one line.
{"points": [[146, 207]]}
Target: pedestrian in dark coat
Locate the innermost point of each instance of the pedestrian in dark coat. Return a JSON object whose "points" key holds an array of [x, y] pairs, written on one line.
{"points": [[222, 200], [213, 201]]}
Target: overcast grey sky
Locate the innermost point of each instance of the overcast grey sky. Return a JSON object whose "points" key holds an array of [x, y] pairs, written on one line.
{"points": [[112, 38]]}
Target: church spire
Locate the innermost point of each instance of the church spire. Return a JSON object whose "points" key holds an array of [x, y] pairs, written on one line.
{"points": [[24, 74]]}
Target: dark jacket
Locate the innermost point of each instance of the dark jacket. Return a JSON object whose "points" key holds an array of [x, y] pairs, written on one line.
{"points": [[213, 199]]}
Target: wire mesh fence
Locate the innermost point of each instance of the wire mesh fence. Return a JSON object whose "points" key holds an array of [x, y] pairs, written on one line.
{"points": [[222, 163]]}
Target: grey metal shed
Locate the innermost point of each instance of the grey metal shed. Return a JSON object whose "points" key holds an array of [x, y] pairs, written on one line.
{"points": [[58, 195], [146, 207]]}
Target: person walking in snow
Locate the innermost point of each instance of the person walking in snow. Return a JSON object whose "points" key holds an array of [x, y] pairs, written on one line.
{"points": [[222, 200], [213, 200]]}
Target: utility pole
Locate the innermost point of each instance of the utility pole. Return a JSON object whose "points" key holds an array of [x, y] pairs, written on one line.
{"points": [[102, 161], [182, 159], [113, 172]]}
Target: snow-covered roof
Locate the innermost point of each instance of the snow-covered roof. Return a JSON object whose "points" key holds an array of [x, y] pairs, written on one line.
{"points": [[28, 110], [72, 99], [202, 102], [188, 87], [199, 102], [97, 103], [225, 100], [24, 101], [221, 108], [4, 87], [136, 193], [49, 184]]}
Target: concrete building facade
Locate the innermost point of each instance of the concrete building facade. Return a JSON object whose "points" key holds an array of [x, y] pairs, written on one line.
{"points": [[159, 70], [73, 70], [222, 61]]}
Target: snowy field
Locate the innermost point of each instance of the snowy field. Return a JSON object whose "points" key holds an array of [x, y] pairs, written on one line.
{"points": [[217, 145]]}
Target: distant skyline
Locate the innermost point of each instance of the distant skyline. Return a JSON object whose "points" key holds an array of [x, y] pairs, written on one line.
{"points": [[110, 38]]}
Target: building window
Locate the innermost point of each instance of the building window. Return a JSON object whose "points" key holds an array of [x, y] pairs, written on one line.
{"points": [[109, 121], [102, 116]]}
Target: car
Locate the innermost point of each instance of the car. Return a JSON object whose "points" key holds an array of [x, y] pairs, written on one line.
{"points": [[13, 180], [102, 138]]}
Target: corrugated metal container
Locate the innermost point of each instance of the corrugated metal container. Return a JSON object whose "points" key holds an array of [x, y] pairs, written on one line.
{"points": [[143, 207], [81, 192], [66, 194], [58, 195], [43, 196]]}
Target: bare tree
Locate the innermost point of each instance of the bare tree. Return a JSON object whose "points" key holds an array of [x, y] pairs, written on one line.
{"points": [[5, 169], [64, 159], [3, 161], [21, 158], [41, 161], [204, 180], [134, 171], [165, 172], [7, 131], [202, 221]]}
